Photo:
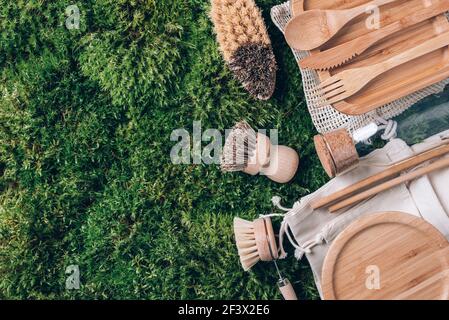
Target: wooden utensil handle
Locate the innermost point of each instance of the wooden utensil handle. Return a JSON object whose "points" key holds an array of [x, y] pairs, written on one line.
{"points": [[413, 53], [389, 29], [421, 15], [440, 164], [380, 2], [356, 11]]}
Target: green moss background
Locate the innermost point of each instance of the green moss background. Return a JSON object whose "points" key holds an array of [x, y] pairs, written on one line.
{"points": [[85, 171]]}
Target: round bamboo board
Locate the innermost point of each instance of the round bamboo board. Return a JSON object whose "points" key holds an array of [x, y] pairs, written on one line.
{"points": [[387, 256]]}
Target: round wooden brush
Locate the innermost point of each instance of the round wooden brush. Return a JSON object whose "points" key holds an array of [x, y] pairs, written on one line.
{"points": [[255, 241], [251, 152], [245, 45]]}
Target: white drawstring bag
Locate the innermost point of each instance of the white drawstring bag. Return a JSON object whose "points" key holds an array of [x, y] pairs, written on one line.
{"points": [[312, 231]]}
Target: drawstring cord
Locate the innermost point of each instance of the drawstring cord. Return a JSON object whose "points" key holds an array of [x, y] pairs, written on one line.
{"points": [[390, 128], [276, 200], [300, 251]]}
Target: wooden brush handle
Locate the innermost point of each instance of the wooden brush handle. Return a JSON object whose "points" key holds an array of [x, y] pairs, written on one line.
{"points": [[287, 290], [265, 239], [424, 48], [391, 171], [440, 164]]}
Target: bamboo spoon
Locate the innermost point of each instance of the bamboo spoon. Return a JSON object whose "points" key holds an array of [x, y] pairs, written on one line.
{"points": [[311, 29], [341, 54], [437, 165], [349, 82], [388, 173]]}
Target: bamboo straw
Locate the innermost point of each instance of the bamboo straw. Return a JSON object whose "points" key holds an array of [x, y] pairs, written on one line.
{"points": [[440, 164], [390, 172]]}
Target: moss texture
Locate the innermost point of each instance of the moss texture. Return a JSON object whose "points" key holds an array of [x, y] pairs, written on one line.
{"points": [[85, 173]]}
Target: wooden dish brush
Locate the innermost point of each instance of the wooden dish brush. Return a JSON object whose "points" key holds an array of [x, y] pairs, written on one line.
{"points": [[241, 152], [251, 152], [245, 45], [256, 242]]}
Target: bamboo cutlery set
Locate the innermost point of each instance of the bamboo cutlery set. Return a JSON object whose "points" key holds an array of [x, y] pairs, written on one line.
{"points": [[370, 53]]}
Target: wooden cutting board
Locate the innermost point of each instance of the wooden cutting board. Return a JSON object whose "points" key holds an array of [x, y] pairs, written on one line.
{"points": [[387, 256], [399, 82]]}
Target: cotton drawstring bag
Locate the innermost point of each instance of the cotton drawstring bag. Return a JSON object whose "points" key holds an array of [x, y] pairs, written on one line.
{"points": [[312, 232]]}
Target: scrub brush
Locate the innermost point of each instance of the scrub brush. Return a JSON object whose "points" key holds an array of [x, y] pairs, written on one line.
{"points": [[245, 150], [256, 242], [251, 152], [245, 45]]}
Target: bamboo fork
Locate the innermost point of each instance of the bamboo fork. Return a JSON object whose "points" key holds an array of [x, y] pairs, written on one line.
{"points": [[349, 82], [437, 165], [393, 170], [313, 28]]}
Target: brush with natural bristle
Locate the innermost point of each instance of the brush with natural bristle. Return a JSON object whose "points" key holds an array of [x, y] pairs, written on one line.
{"points": [[251, 152], [239, 148], [245, 45], [255, 241], [246, 243]]}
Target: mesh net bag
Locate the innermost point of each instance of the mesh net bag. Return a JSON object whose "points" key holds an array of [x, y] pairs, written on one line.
{"points": [[327, 118]]}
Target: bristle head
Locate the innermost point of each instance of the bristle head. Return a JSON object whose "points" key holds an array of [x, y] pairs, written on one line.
{"points": [[240, 145], [246, 243], [254, 65], [245, 45], [236, 23]]}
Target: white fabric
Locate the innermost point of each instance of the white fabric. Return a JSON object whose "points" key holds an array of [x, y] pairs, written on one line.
{"points": [[426, 197], [327, 119]]}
